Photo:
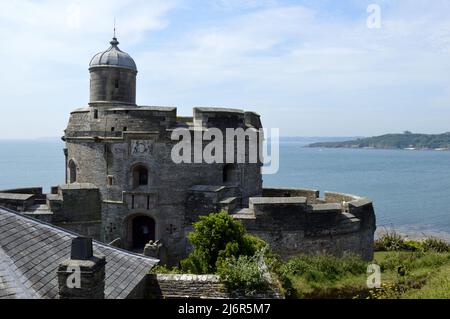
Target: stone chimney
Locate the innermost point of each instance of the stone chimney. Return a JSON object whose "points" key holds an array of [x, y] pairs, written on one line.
{"points": [[83, 275]]}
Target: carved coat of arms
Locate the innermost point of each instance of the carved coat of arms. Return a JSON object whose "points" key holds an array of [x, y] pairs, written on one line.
{"points": [[141, 147]]}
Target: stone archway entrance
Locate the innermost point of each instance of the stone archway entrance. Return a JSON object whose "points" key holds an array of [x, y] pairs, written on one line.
{"points": [[142, 231]]}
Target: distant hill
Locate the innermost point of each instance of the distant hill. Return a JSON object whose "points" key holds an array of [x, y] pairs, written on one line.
{"points": [[407, 140]]}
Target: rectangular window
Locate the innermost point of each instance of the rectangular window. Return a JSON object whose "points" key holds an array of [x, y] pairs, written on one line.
{"points": [[132, 201], [95, 114], [116, 84], [112, 129], [110, 180], [124, 128]]}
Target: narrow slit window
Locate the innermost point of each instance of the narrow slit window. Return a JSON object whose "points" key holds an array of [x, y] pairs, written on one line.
{"points": [[95, 114], [116, 84], [112, 129]]}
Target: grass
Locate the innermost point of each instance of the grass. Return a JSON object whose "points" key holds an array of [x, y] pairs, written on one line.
{"points": [[437, 287], [404, 274]]}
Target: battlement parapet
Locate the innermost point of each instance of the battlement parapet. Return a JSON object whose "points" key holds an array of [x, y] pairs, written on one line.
{"points": [[115, 121], [219, 117], [311, 194], [337, 223]]}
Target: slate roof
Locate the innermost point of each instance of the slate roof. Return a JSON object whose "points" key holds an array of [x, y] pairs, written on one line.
{"points": [[30, 252]]}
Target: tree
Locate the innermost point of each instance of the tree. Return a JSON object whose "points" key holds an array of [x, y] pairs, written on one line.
{"points": [[216, 238]]}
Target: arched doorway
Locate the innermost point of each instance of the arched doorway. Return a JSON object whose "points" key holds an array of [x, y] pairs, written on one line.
{"points": [[142, 231]]}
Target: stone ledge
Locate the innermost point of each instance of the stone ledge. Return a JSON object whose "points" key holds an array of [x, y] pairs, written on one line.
{"points": [[277, 201]]}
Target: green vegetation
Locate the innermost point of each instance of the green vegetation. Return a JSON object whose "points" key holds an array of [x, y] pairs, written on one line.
{"points": [[223, 247], [215, 239], [394, 141], [392, 241], [409, 269], [243, 274], [321, 276]]}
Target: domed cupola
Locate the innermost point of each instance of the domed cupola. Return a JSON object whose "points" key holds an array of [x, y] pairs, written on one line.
{"points": [[113, 57], [113, 77]]}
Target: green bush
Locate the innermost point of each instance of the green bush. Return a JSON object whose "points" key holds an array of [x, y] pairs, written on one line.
{"points": [[243, 274], [389, 241], [216, 238], [392, 241], [324, 267], [412, 245], [436, 245]]}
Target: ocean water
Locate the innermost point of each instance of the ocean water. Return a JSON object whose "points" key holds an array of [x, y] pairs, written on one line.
{"points": [[410, 189]]}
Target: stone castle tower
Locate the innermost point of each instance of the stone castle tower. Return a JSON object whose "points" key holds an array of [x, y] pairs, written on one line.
{"points": [[123, 186], [125, 151]]}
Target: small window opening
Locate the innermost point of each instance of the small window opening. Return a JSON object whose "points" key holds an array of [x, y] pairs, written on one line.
{"points": [[72, 172], [112, 129], [124, 128], [110, 180], [132, 201], [140, 176], [228, 173], [116, 84], [95, 114]]}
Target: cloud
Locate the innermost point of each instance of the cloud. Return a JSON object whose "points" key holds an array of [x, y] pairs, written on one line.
{"points": [[311, 68], [46, 47]]}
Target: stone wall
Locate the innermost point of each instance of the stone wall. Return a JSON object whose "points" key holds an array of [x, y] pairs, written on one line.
{"points": [[185, 286], [291, 225], [311, 194], [77, 207], [103, 88], [169, 286]]}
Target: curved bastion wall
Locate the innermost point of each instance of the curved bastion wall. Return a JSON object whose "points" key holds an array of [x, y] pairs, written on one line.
{"points": [[297, 221]]}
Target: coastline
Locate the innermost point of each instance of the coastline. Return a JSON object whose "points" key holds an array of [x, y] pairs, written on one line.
{"points": [[382, 148]]}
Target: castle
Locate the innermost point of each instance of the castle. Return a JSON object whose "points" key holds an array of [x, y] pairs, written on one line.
{"points": [[122, 186]]}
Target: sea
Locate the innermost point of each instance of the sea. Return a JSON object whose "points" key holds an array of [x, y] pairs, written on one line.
{"points": [[410, 189]]}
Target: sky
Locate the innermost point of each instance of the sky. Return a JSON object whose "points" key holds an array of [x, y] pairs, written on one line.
{"points": [[308, 67]]}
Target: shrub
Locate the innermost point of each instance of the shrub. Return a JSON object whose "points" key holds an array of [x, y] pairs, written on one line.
{"points": [[389, 241], [413, 245], [216, 238], [436, 245], [244, 274]]}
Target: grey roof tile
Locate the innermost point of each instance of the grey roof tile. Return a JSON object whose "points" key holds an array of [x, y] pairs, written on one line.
{"points": [[30, 252]]}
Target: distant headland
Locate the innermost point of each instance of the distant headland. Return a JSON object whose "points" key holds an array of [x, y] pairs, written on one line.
{"points": [[406, 141]]}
